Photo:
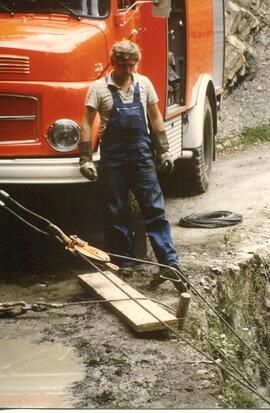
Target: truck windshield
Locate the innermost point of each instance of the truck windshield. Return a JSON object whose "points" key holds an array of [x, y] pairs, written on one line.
{"points": [[77, 8]]}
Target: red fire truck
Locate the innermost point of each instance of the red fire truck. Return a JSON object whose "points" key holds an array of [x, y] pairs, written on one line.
{"points": [[51, 51]]}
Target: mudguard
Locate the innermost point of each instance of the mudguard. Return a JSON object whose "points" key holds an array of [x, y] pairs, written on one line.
{"points": [[193, 130]]}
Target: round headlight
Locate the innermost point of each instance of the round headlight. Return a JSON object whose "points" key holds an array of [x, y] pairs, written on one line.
{"points": [[64, 135]]}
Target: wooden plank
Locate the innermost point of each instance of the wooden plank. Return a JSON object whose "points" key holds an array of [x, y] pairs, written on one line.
{"points": [[138, 318]]}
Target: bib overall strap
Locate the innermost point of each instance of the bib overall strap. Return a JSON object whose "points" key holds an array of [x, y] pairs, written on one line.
{"points": [[115, 95], [137, 96]]}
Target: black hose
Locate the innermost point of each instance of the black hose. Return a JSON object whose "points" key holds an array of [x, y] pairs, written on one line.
{"points": [[214, 219]]}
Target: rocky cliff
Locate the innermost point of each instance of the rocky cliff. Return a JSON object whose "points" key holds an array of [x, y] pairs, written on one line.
{"points": [[247, 80], [244, 20]]}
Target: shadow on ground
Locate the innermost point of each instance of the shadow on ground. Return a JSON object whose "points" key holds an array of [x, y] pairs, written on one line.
{"points": [[76, 209]]}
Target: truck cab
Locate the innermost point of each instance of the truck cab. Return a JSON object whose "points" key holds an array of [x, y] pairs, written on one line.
{"points": [[51, 52]]}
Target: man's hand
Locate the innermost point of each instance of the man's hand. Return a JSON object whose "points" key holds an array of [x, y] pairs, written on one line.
{"points": [[163, 156], [87, 166], [88, 170], [165, 162]]}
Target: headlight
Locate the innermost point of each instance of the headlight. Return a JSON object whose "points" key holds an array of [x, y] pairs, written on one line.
{"points": [[64, 135]]}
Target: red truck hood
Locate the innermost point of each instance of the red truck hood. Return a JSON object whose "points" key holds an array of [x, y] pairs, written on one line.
{"points": [[53, 48]]}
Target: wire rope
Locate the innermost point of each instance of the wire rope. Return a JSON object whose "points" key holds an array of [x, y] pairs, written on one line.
{"points": [[181, 276], [203, 299], [229, 372], [5, 195], [25, 221]]}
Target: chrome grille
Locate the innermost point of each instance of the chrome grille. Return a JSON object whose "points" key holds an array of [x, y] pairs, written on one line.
{"points": [[18, 118], [10, 64]]}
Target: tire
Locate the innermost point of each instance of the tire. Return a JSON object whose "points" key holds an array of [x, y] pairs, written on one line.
{"points": [[192, 176]]}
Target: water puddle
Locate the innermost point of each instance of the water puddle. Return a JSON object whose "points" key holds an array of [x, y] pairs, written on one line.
{"points": [[37, 375], [52, 290]]}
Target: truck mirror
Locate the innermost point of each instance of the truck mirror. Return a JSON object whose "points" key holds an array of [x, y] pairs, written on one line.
{"points": [[161, 8]]}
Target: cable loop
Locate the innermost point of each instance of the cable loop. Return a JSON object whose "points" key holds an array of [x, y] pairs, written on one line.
{"points": [[13, 309], [215, 219]]}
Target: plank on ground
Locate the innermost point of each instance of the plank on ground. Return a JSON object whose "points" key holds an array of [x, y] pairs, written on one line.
{"points": [[131, 312]]}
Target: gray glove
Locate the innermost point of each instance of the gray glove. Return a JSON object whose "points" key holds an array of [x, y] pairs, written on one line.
{"points": [[163, 156], [87, 166], [165, 162]]}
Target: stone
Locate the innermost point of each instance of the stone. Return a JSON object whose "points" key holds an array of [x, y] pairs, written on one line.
{"points": [[242, 23], [267, 303], [40, 286], [234, 268], [216, 270]]}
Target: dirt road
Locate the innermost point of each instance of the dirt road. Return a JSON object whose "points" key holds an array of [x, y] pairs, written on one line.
{"points": [[83, 356], [239, 183]]}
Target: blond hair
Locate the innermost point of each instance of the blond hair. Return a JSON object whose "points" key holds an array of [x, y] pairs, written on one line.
{"points": [[125, 50]]}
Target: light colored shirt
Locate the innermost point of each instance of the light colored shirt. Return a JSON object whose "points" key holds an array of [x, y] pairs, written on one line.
{"points": [[100, 98]]}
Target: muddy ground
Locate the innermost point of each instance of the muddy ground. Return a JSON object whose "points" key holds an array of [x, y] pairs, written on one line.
{"points": [[107, 364]]}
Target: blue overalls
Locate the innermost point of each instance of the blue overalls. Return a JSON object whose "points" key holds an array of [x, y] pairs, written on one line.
{"points": [[127, 163]]}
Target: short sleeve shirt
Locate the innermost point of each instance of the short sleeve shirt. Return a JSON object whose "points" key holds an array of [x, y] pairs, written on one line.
{"points": [[100, 98]]}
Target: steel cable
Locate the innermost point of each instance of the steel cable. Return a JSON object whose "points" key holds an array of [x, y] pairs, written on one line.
{"points": [[244, 383], [41, 306], [24, 220], [6, 196], [181, 276], [179, 273]]}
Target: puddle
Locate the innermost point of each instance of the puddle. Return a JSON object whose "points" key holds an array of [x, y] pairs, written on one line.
{"points": [[53, 290], [37, 375]]}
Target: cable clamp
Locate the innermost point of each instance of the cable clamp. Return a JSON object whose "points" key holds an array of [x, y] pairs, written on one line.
{"points": [[41, 306], [61, 236]]}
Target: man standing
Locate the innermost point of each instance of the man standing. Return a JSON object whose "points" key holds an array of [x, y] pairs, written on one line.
{"points": [[123, 99]]}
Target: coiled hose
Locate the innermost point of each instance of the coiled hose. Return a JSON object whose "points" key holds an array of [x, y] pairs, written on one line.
{"points": [[214, 219]]}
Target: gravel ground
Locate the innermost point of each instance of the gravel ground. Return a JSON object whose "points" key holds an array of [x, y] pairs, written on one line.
{"points": [[248, 104]]}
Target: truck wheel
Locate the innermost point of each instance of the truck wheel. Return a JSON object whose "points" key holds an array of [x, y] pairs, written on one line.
{"points": [[191, 176]]}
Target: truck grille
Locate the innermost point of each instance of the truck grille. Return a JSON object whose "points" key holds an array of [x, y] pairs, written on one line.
{"points": [[14, 64], [18, 118]]}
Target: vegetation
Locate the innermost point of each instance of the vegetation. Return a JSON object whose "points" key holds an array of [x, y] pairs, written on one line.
{"points": [[249, 136], [241, 298], [237, 397]]}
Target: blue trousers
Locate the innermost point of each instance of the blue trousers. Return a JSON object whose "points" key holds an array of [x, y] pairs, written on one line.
{"points": [[141, 178]]}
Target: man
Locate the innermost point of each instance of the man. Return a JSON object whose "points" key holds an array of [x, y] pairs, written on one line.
{"points": [[123, 99]]}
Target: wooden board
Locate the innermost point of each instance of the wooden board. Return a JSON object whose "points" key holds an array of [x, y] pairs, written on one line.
{"points": [[138, 318]]}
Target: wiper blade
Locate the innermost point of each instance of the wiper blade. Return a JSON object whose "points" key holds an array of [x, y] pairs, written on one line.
{"points": [[70, 10], [56, 3], [6, 9]]}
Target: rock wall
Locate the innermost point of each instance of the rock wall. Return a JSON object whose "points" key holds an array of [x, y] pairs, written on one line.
{"points": [[244, 20], [243, 296]]}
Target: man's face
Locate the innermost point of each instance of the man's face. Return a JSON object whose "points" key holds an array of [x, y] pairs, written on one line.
{"points": [[124, 67]]}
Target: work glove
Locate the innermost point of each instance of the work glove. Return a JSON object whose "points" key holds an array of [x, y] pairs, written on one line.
{"points": [[164, 159], [87, 166]]}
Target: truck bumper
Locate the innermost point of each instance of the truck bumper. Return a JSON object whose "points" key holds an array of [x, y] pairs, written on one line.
{"points": [[47, 170], [41, 171]]}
